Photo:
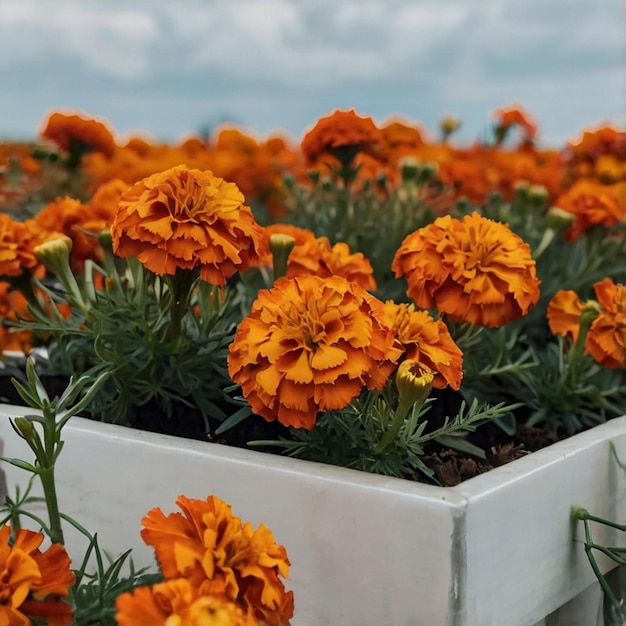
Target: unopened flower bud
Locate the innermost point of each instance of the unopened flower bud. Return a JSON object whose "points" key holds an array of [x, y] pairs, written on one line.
{"points": [[281, 246], [409, 169], [24, 427], [559, 219], [429, 172], [414, 382], [538, 194], [105, 239], [449, 124], [54, 254]]}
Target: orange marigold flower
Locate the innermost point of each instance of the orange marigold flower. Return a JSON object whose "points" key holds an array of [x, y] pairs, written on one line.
{"points": [[33, 583], [343, 134], [216, 552], [592, 204], [310, 344], [16, 246], [13, 304], [73, 132], [606, 340], [187, 218], [427, 341], [474, 270], [177, 602], [508, 117], [564, 310], [315, 256]]}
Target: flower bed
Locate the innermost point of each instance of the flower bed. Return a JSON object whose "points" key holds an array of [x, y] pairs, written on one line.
{"points": [[372, 299]]}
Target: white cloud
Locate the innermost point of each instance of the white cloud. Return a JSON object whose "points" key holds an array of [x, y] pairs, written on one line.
{"points": [[113, 40], [280, 63]]}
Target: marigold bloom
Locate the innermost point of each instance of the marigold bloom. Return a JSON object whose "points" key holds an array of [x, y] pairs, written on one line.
{"points": [[186, 218], [32, 582], [592, 204], [474, 270], [310, 344], [342, 134], [13, 304], [215, 551], [606, 340], [16, 246], [176, 602], [315, 256], [71, 132], [564, 310], [426, 341], [508, 117]]}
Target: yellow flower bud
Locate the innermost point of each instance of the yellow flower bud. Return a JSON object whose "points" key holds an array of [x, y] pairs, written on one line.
{"points": [[24, 427], [54, 254], [449, 124], [281, 246], [414, 381]]}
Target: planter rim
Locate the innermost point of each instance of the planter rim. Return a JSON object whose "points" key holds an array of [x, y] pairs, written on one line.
{"points": [[457, 495]]}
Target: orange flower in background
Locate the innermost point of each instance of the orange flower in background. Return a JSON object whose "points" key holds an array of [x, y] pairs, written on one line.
{"points": [[341, 134], [592, 204], [310, 344], [507, 117], [606, 338], [474, 270], [606, 341], [564, 310], [70, 217], [33, 583], [177, 602], [16, 246], [427, 341], [315, 256], [12, 304], [186, 218], [73, 132], [217, 553]]}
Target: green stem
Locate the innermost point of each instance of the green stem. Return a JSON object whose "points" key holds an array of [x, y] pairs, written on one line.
{"points": [[46, 473], [578, 349], [398, 419], [52, 504], [181, 285]]}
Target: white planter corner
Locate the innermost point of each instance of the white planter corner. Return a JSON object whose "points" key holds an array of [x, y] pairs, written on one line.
{"points": [[497, 550]]}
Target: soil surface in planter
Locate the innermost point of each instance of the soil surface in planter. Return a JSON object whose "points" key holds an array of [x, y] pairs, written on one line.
{"points": [[450, 466]]}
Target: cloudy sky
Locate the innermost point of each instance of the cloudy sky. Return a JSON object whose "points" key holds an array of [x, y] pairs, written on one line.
{"points": [[167, 69]]}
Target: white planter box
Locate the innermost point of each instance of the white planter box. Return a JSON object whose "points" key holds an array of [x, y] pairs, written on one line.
{"points": [[496, 550]]}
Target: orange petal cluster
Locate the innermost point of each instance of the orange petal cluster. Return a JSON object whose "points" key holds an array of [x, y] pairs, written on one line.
{"points": [[507, 117], [606, 338], [219, 555], [426, 341], [338, 134], [186, 218], [32, 582], [592, 204], [73, 131], [16, 246], [13, 304], [473, 269], [314, 255], [177, 602], [310, 344]]}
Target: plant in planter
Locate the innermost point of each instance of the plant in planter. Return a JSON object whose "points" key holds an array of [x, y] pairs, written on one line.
{"points": [[438, 349], [213, 568]]}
